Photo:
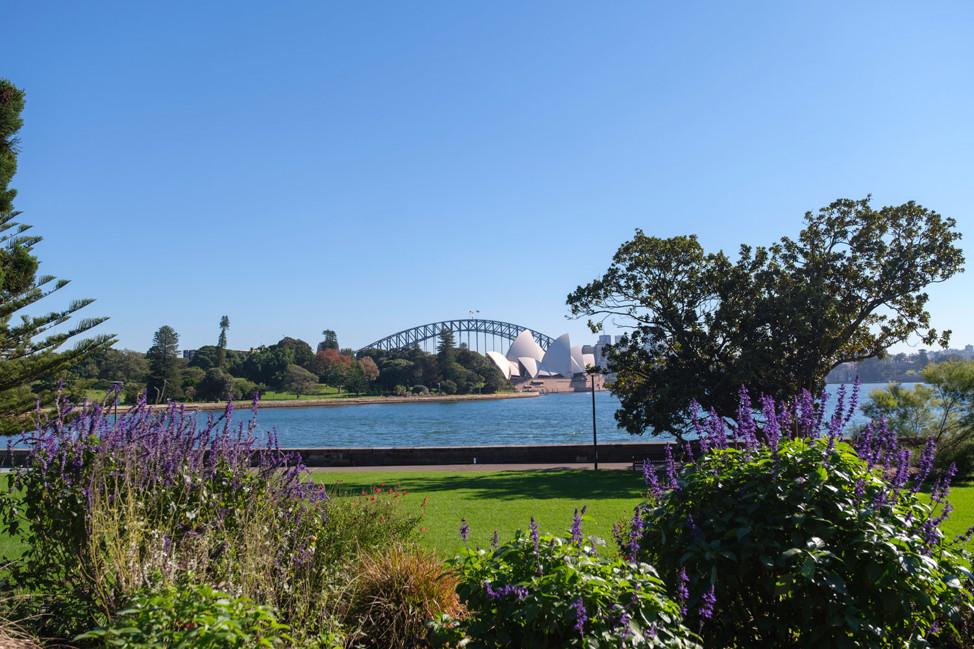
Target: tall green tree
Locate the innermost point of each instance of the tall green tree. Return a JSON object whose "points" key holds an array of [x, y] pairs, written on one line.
{"points": [[777, 320], [165, 368], [303, 355], [221, 344], [30, 347], [330, 341], [298, 380]]}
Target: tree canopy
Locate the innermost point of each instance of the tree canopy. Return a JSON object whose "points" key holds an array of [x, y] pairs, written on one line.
{"points": [[165, 368], [30, 347], [777, 320]]}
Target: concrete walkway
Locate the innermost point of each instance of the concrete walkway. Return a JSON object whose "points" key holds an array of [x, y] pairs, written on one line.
{"points": [[457, 468]]}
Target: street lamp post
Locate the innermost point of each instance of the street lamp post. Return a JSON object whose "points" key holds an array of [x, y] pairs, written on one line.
{"points": [[595, 438]]}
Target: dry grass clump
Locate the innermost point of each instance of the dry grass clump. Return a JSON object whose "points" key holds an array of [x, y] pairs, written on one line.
{"points": [[396, 592], [13, 637]]}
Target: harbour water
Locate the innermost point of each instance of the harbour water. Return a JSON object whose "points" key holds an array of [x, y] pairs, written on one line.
{"points": [[560, 418]]}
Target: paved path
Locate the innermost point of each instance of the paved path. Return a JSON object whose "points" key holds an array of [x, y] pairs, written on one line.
{"points": [[456, 468]]}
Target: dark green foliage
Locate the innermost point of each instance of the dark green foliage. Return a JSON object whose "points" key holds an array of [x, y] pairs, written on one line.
{"points": [[446, 352], [190, 616], [164, 380], [777, 320], [804, 546], [221, 345], [303, 354], [330, 341], [470, 372], [25, 358], [527, 594], [217, 385], [268, 366], [206, 357], [11, 106], [244, 389], [299, 380]]}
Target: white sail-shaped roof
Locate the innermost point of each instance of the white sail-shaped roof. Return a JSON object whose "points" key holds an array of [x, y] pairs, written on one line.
{"points": [[530, 366], [558, 358], [588, 360], [525, 346], [502, 363], [578, 363]]}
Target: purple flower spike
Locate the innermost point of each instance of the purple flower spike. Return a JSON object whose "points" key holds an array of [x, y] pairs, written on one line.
{"points": [[707, 608], [576, 530], [534, 535], [581, 617], [671, 468], [464, 529], [682, 593]]}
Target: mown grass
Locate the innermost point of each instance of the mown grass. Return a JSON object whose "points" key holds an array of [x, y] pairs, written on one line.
{"points": [[502, 500], [507, 500]]}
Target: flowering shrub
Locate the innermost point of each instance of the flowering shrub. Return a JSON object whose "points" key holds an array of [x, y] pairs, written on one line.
{"points": [[783, 535], [102, 506], [544, 591]]}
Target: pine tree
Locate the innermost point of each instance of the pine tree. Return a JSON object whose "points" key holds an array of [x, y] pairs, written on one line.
{"points": [[221, 345], [24, 358], [165, 371]]}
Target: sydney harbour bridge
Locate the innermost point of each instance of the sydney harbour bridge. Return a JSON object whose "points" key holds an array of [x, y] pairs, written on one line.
{"points": [[485, 331]]}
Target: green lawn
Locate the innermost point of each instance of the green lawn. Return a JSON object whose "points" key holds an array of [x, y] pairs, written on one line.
{"points": [[507, 500], [504, 500]]}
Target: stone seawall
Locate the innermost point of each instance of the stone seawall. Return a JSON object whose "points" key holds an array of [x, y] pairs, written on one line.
{"points": [[439, 455]]}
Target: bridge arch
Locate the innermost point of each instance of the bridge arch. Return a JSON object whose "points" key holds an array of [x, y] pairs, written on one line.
{"points": [[476, 326]]}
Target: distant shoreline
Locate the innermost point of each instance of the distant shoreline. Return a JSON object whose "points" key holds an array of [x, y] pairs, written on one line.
{"points": [[354, 401]]}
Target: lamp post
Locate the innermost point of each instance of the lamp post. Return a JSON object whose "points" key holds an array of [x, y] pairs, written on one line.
{"points": [[117, 389], [595, 438]]}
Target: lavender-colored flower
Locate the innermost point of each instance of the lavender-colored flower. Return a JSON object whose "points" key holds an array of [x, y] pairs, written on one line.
{"points": [[707, 607], [671, 468], [649, 475], [520, 592], [464, 529], [682, 592], [534, 535], [581, 617], [495, 542], [576, 530], [635, 533]]}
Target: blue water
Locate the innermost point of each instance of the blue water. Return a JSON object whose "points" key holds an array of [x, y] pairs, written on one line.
{"points": [[550, 419], [564, 418]]}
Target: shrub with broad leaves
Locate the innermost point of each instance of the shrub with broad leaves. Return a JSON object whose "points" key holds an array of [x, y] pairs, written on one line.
{"points": [[544, 591], [781, 534], [190, 616]]}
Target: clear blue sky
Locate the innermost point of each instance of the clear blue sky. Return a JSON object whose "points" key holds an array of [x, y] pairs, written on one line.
{"points": [[367, 167]]}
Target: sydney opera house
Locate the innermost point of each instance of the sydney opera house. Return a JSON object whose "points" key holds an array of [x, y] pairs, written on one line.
{"points": [[527, 360]]}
